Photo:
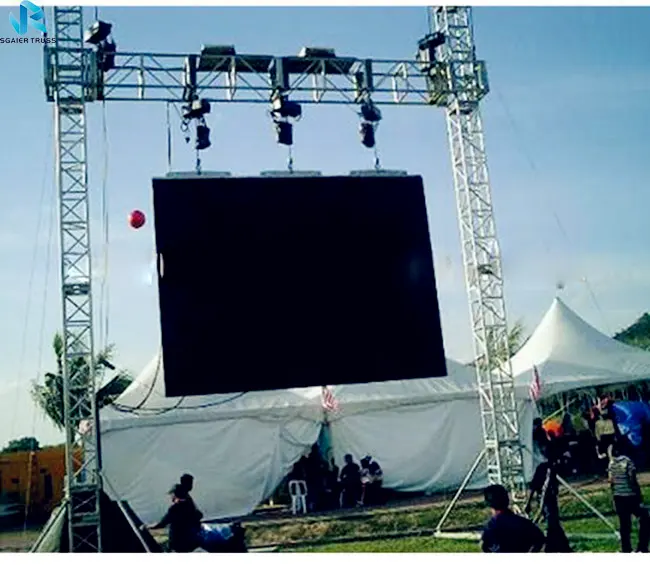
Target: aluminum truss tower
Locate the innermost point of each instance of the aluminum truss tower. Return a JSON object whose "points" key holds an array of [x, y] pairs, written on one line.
{"points": [[444, 74], [67, 75], [481, 256]]}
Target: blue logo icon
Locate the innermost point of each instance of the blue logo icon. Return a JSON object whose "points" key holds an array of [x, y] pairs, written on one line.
{"points": [[33, 19]]}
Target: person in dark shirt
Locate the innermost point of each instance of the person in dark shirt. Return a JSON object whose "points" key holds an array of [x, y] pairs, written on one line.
{"points": [[187, 482], [540, 438], [545, 487], [350, 483], [506, 532], [183, 521]]}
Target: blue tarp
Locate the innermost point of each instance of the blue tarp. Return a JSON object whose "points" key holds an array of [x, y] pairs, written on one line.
{"points": [[631, 418]]}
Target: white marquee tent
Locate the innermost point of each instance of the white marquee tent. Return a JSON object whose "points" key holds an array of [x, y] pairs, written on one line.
{"points": [[238, 447], [426, 433], [570, 354]]}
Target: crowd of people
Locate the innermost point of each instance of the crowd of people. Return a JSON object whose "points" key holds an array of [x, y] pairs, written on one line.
{"points": [[556, 450], [329, 488], [583, 439], [507, 532], [552, 456]]}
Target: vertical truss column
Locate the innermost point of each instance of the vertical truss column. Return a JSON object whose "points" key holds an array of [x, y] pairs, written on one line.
{"points": [[481, 255], [70, 66]]}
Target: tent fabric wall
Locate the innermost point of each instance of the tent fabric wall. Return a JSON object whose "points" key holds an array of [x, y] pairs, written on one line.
{"points": [[236, 463], [426, 434], [425, 447], [238, 447], [421, 447]]}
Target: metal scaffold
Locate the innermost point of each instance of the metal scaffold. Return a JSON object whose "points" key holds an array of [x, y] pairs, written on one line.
{"points": [[67, 75], [444, 74], [480, 247]]}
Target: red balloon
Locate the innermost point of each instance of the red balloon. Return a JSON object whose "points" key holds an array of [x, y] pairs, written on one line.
{"points": [[136, 219]]}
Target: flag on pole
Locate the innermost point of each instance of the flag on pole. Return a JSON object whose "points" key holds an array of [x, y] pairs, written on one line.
{"points": [[329, 402], [535, 388]]}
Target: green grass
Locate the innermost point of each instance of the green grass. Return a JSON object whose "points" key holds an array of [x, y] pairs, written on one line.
{"points": [[332, 534]]}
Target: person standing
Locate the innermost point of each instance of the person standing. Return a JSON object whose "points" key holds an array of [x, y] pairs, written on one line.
{"points": [[545, 487], [187, 483], [350, 483], [507, 532], [183, 521], [628, 500]]}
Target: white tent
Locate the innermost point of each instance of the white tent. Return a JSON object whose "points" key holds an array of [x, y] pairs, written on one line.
{"points": [[570, 354], [426, 433], [238, 447]]}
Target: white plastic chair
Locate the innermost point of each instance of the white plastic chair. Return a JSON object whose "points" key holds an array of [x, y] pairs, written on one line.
{"points": [[298, 492]]}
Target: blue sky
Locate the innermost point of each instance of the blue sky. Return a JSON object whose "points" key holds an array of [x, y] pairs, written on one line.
{"points": [[566, 132]]}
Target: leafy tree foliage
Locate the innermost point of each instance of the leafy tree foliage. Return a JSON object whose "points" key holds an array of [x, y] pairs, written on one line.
{"points": [[49, 394], [22, 444]]}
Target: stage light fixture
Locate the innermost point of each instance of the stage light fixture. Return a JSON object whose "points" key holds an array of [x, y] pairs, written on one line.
{"points": [[370, 112], [106, 55], [284, 133], [285, 108], [317, 53], [196, 109], [367, 133], [98, 32], [202, 137], [106, 363], [427, 47]]}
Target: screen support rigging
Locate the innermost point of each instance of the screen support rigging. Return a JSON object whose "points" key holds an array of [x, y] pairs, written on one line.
{"points": [[445, 74]]}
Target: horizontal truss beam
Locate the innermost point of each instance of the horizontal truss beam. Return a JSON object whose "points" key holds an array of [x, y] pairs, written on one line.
{"points": [[256, 78]]}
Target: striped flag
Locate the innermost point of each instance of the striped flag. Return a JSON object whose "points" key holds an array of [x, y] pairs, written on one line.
{"points": [[535, 389], [329, 402]]}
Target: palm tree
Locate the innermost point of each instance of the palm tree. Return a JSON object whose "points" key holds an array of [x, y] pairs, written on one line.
{"points": [[49, 395], [497, 352]]}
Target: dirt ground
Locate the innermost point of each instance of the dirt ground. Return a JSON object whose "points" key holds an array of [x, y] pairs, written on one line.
{"points": [[18, 541]]}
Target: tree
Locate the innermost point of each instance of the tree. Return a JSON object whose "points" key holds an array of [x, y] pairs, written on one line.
{"points": [[638, 334], [22, 444], [49, 395], [497, 352]]}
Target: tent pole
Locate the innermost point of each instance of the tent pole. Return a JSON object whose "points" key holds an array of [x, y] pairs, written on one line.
{"points": [[460, 490]]}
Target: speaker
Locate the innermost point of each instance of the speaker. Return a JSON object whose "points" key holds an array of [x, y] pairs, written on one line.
{"points": [[277, 282]]}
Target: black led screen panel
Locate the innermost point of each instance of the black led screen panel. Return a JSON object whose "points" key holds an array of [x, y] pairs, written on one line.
{"points": [[277, 282]]}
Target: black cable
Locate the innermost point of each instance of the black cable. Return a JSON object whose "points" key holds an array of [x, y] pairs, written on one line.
{"points": [[159, 411]]}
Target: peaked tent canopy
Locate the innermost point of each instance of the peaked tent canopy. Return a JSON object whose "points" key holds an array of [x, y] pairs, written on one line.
{"points": [[570, 354]]}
